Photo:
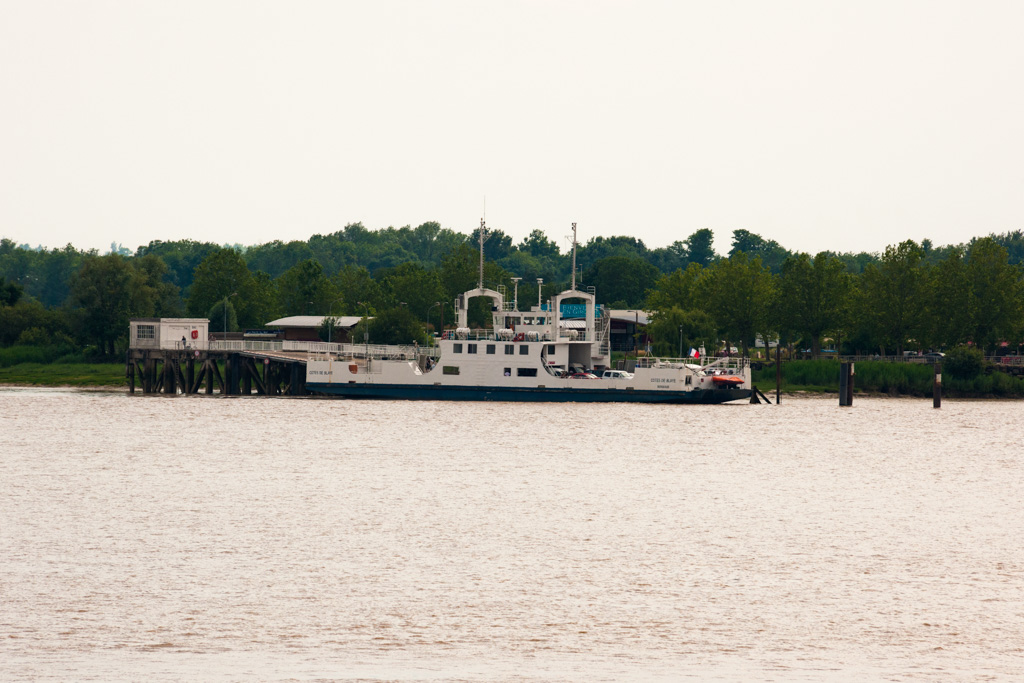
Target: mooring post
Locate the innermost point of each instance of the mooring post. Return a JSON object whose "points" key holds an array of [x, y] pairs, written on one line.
{"points": [[844, 379], [778, 371], [131, 376], [849, 385], [937, 387]]}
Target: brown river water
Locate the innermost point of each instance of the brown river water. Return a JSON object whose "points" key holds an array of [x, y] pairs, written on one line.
{"points": [[226, 539]]}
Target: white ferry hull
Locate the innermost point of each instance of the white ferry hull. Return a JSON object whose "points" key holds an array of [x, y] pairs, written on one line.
{"points": [[522, 394]]}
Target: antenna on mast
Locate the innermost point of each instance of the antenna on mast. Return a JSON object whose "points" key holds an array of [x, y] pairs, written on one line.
{"points": [[483, 232]]}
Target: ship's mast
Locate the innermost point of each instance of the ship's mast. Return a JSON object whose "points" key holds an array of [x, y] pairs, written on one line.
{"points": [[574, 257], [483, 231]]}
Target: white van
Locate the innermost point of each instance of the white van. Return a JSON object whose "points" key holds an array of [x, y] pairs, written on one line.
{"points": [[616, 374]]}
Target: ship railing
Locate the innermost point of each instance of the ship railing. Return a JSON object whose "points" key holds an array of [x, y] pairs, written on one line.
{"points": [[735, 363], [383, 351], [489, 335]]}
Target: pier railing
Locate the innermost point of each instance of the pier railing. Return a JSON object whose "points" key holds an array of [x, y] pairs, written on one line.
{"points": [[287, 346]]}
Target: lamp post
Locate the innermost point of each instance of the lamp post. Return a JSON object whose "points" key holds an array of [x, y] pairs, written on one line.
{"points": [[226, 297], [366, 329], [515, 295], [438, 304], [330, 316]]}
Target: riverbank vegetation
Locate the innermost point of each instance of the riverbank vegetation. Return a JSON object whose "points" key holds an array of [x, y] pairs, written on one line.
{"points": [[892, 379], [66, 306]]}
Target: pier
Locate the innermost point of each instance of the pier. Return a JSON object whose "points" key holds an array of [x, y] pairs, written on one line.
{"points": [[244, 368]]}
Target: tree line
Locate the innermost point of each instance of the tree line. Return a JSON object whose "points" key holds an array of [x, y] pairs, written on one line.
{"points": [[913, 295]]}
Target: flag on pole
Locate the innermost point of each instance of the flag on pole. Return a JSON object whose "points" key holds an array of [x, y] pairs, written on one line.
{"points": [[694, 353]]}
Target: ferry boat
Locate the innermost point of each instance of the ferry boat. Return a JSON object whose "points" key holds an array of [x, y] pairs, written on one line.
{"points": [[533, 355]]}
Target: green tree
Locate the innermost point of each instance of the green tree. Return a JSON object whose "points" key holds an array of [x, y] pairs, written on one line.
{"points": [[414, 286], [277, 257], [396, 325], [997, 293], [679, 289], [621, 278], [700, 248], [539, 246], [598, 248], [181, 257], [950, 321], [166, 296], [224, 273], [304, 289], [28, 314], [739, 292], [674, 331], [772, 255], [109, 291], [222, 316], [326, 330], [497, 244], [813, 295], [894, 297], [354, 284], [9, 293]]}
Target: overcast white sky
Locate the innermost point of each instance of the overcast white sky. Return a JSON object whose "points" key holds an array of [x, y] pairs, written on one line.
{"points": [[820, 124]]}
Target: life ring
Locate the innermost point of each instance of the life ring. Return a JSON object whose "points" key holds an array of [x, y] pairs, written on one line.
{"points": [[195, 334], [519, 337]]}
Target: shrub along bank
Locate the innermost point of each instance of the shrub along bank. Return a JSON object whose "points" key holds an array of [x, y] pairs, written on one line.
{"points": [[54, 366], [894, 379]]}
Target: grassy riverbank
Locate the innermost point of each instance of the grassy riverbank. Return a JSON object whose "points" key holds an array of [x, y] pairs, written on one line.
{"points": [[893, 379], [64, 374]]}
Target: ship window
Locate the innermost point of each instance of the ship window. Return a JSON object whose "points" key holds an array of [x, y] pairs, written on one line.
{"points": [[146, 332], [524, 350], [689, 379], [449, 370], [456, 348], [510, 349], [551, 348], [490, 349], [526, 372], [470, 348]]}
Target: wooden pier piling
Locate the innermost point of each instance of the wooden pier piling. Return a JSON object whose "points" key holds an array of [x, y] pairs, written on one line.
{"points": [[189, 372]]}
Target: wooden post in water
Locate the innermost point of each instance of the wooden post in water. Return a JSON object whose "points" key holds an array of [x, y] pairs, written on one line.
{"points": [[778, 371], [844, 378], [937, 387], [849, 386]]}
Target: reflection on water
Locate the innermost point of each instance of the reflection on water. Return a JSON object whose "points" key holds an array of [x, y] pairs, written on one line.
{"points": [[155, 538]]}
